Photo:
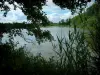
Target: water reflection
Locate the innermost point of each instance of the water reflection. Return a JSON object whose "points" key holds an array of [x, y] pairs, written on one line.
{"points": [[45, 48]]}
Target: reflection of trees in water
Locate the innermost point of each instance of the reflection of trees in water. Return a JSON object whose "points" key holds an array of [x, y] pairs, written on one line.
{"points": [[15, 29], [32, 9]]}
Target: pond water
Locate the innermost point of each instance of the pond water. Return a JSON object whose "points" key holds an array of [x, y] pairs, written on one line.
{"points": [[45, 48]]}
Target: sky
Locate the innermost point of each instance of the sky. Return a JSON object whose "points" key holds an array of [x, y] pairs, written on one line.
{"points": [[54, 13]]}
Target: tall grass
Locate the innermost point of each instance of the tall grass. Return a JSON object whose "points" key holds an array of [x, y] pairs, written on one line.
{"points": [[74, 57], [74, 54], [18, 61], [95, 38]]}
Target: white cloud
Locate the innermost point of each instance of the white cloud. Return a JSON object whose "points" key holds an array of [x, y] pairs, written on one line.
{"points": [[54, 13], [66, 15], [13, 16], [54, 17]]}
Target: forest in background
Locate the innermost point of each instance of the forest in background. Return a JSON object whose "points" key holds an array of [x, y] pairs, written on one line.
{"points": [[72, 60], [87, 17]]}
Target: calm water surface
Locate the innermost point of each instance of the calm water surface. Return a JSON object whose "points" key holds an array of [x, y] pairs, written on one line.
{"points": [[46, 48]]}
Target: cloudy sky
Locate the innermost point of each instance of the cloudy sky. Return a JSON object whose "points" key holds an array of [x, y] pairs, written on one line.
{"points": [[54, 13]]}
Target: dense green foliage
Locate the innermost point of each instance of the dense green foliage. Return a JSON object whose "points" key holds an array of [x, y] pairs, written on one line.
{"points": [[34, 13], [75, 57], [33, 9], [91, 21], [18, 61], [70, 59], [87, 18]]}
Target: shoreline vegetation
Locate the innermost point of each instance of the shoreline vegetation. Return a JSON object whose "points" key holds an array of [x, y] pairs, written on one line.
{"points": [[74, 56], [85, 20]]}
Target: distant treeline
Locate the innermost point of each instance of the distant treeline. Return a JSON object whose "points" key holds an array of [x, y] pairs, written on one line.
{"points": [[88, 18]]}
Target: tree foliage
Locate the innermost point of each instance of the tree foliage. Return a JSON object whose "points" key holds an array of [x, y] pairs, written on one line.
{"points": [[35, 15], [64, 22], [17, 61], [72, 4], [88, 17], [33, 10]]}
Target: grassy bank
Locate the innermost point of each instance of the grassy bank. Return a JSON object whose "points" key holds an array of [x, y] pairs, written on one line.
{"points": [[74, 58]]}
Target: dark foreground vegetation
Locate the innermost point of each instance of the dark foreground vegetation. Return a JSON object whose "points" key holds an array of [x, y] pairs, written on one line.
{"points": [[73, 57], [70, 59], [76, 56], [18, 61]]}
